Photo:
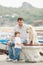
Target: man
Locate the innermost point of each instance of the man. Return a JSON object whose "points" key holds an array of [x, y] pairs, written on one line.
{"points": [[20, 27]]}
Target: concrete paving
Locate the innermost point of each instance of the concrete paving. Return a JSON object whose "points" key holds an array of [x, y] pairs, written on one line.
{"points": [[11, 63]]}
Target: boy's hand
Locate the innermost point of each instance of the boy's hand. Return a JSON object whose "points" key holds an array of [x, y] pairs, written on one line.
{"points": [[19, 44]]}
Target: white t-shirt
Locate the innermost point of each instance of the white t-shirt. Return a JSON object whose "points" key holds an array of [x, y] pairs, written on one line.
{"points": [[17, 42], [22, 31]]}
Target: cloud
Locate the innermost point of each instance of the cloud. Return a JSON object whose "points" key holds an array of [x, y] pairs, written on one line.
{"points": [[17, 3]]}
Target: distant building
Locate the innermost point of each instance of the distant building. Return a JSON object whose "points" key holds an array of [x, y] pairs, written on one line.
{"points": [[38, 23]]}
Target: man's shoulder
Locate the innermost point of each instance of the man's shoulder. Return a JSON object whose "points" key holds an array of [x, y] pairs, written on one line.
{"points": [[15, 26], [25, 26]]}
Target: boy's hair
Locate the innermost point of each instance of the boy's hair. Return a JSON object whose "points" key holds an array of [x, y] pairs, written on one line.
{"points": [[20, 19], [16, 33]]}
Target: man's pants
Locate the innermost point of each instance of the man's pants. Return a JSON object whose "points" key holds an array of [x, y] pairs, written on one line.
{"points": [[16, 55]]}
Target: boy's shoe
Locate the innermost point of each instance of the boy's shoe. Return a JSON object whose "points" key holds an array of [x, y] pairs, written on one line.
{"points": [[9, 60], [15, 61]]}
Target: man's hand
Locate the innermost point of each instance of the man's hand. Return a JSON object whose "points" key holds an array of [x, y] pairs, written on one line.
{"points": [[9, 43]]}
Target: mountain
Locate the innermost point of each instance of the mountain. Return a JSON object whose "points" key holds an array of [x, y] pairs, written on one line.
{"points": [[26, 5]]}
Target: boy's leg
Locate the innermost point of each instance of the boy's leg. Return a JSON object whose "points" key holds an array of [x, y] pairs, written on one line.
{"points": [[17, 54]]}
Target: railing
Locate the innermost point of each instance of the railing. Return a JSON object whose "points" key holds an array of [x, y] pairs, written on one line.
{"points": [[39, 31]]}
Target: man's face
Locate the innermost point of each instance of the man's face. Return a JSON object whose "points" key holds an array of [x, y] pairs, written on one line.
{"points": [[20, 23]]}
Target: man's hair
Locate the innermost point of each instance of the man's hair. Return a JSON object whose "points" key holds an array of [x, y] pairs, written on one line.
{"points": [[16, 33], [20, 19]]}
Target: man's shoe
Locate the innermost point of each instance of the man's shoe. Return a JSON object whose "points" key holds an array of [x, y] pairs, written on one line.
{"points": [[9, 60]]}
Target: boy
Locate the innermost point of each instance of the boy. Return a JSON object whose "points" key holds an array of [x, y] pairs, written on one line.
{"points": [[18, 45]]}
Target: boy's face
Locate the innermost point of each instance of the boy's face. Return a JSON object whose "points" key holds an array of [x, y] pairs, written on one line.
{"points": [[18, 35]]}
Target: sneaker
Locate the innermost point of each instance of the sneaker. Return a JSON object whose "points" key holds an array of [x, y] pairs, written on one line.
{"points": [[9, 60], [15, 61]]}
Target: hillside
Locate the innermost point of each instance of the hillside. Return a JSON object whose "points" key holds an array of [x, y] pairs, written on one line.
{"points": [[27, 11]]}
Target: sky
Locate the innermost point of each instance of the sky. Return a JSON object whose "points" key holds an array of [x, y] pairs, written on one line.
{"points": [[18, 3]]}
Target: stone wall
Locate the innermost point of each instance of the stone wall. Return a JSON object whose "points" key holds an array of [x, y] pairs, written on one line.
{"points": [[32, 53], [29, 53]]}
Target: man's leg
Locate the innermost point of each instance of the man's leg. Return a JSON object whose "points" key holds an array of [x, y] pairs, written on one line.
{"points": [[10, 51]]}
